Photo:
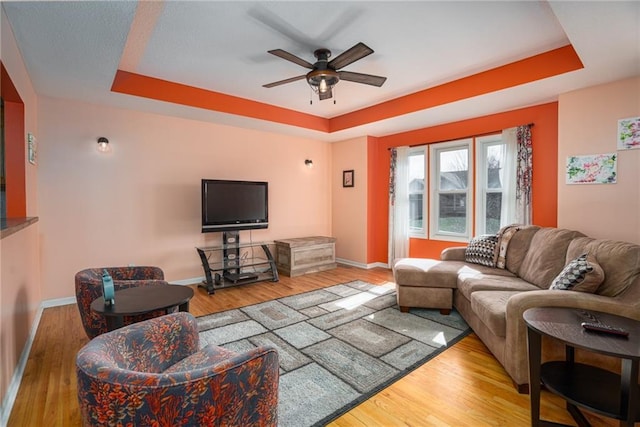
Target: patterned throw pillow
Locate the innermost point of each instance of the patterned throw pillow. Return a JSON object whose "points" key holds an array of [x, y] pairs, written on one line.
{"points": [[482, 250], [582, 274]]}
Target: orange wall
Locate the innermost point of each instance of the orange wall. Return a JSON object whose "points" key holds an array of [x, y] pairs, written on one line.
{"points": [[588, 125], [544, 191], [14, 147]]}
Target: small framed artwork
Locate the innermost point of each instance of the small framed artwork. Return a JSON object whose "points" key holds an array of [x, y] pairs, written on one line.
{"points": [[347, 178], [629, 133], [31, 148]]}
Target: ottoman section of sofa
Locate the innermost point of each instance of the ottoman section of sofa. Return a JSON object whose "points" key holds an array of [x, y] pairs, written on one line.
{"points": [[426, 283]]}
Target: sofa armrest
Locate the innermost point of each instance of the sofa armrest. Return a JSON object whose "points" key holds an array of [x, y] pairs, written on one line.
{"points": [[519, 303], [516, 334], [455, 253]]}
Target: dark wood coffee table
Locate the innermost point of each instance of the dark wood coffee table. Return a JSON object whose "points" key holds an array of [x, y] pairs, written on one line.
{"points": [[590, 387], [142, 300]]}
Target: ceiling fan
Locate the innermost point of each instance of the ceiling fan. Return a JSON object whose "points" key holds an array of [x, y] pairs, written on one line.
{"points": [[325, 74]]}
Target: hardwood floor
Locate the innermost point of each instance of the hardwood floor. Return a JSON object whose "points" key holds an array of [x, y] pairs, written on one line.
{"points": [[463, 386]]}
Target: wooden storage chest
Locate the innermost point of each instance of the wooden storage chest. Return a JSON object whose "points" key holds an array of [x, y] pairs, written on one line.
{"points": [[295, 257]]}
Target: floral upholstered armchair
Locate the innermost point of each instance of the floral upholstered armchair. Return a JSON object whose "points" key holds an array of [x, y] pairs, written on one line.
{"points": [[152, 373], [89, 287]]}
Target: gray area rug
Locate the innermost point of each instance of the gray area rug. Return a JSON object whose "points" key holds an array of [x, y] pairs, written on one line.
{"points": [[337, 346]]}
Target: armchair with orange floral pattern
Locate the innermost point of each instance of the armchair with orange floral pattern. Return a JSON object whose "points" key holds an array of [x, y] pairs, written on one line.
{"points": [[89, 287], [153, 373]]}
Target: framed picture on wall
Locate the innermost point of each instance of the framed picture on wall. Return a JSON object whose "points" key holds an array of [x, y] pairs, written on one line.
{"points": [[347, 178], [31, 149], [592, 169], [629, 133]]}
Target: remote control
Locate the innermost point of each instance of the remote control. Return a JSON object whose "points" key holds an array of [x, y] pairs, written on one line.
{"points": [[606, 329]]}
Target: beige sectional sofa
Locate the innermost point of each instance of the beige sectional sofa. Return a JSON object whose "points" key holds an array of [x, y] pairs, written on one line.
{"points": [[493, 299]]}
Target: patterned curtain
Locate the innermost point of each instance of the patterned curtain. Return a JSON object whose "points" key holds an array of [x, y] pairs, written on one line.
{"points": [[392, 176], [523, 175], [398, 204]]}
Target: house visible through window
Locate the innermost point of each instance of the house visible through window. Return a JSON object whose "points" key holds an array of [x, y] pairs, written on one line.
{"points": [[417, 197], [451, 192], [495, 162], [455, 197]]}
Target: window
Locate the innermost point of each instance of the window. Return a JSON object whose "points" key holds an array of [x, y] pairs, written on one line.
{"points": [[417, 193], [495, 184], [460, 191], [451, 190]]}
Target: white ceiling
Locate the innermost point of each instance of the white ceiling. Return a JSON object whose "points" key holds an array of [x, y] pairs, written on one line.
{"points": [[73, 49]]}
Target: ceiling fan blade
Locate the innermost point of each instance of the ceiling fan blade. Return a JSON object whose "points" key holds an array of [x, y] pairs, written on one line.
{"points": [[277, 24], [285, 81], [367, 79], [291, 57], [325, 95], [350, 56]]}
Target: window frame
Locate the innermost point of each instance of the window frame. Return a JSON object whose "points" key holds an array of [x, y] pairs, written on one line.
{"points": [[482, 145], [414, 232], [434, 191]]}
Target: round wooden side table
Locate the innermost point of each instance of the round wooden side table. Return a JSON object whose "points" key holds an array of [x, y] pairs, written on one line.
{"points": [[590, 387], [141, 300]]}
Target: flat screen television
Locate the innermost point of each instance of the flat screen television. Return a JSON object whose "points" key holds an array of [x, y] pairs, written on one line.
{"points": [[234, 205]]}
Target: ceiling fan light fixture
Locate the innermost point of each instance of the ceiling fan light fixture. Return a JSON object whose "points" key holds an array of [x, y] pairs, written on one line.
{"points": [[322, 81], [322, 87]]}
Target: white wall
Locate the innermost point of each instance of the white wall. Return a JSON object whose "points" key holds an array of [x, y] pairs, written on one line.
{"points": [[140, 204], [588, 121]]}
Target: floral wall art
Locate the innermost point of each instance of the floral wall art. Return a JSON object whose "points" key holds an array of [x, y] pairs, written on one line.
{"points": [[629, 133], [592, 169]]}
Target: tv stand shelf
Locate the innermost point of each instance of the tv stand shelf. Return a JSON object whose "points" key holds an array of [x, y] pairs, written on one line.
{"points": [[224, 266]]}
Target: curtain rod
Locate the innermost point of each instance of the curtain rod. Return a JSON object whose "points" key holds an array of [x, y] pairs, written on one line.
{"points": [[462, 137]]}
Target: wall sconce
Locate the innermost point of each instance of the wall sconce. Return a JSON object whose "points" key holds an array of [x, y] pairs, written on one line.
{"points": [[308, 163], [103, 145]]}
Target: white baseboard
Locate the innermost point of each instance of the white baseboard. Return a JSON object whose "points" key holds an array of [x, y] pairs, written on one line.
{"points": [[16, 379], [378, 265], [192, 281], [361, 265], [58, 302]]}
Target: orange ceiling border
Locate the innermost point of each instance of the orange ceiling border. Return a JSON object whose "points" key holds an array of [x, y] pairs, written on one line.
{"points": [[537, 67], [548, 64], [177, 93]]}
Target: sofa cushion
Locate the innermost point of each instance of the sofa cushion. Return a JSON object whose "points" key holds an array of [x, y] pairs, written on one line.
{"points": [[518, 247], [546, 256], [582, 274], [428, 273], [468, 284], [491, 309], [205, 358], [482, 250], [619, 260]]}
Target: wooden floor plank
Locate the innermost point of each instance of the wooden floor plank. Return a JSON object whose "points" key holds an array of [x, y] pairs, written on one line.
{"points": [[463, 386]]}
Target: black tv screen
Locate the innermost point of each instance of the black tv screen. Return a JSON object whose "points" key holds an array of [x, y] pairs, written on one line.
{"points": [[234, 205]]}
